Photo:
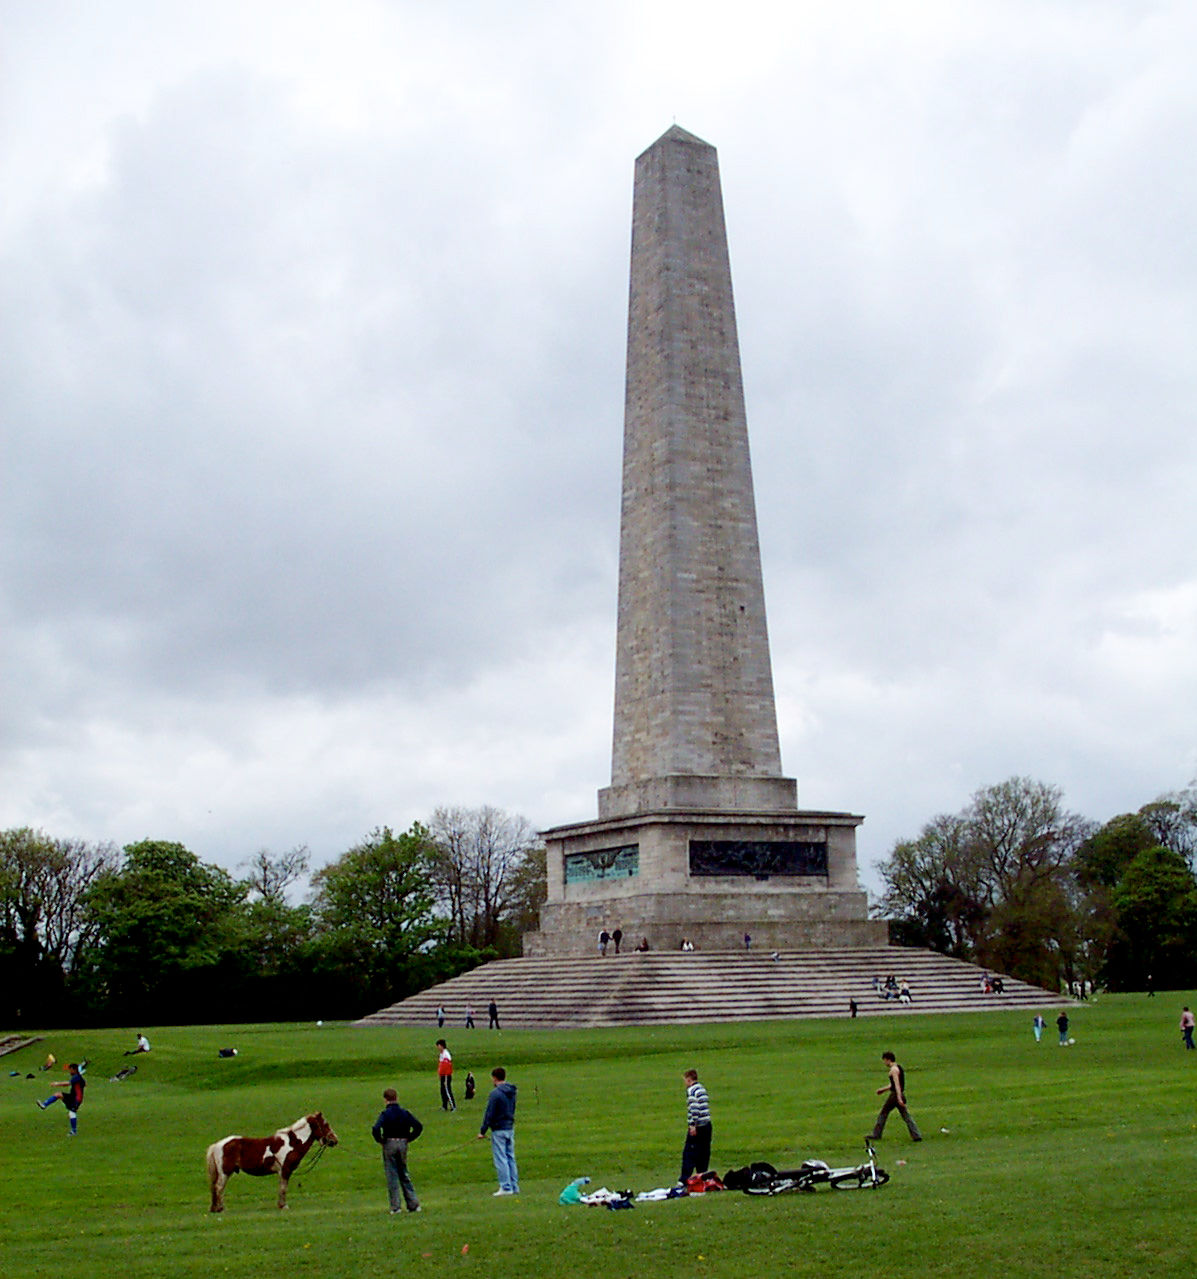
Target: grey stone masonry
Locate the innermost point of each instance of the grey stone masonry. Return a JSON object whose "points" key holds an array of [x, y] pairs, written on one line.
{"points": [[694, 704], [699, 836]]}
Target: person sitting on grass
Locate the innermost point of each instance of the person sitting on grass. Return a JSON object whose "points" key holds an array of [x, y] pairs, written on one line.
{"points": [[143, 1046]]}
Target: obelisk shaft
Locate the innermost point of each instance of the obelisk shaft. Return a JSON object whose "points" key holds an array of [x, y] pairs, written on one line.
{"points": [[694, 685]]}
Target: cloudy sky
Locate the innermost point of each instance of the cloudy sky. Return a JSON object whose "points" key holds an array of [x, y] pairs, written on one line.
{"points": [[311, 395]]}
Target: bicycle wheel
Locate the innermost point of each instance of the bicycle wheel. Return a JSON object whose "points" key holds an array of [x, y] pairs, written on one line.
{"points": [[863, 1178]]}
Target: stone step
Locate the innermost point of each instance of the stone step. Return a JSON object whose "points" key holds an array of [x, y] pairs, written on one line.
{"points": [[660, 988]]}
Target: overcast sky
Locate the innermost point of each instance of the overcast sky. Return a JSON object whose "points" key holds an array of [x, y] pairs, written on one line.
{"points": [[312, 400]]}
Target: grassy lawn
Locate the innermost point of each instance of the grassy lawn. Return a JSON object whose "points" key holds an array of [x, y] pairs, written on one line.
{"points": [[1055, 1161]]}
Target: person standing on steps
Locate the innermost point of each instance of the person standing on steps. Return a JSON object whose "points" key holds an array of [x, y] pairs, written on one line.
{"points": [[444, 1072], [696, 1152], [500, 1120], [394, 1130], [896, 1087]]}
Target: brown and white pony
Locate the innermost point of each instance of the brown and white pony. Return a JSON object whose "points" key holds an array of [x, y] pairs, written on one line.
{"points": [[261, 1156]]}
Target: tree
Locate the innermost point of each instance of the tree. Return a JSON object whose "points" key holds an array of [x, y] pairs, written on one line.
{"points": [[1102, 858], [993, 883], [375, 919], [1156, 906], [270, 877], [166, 924], [43, 922], [932, 891], [477, 857], [1172, 819]]}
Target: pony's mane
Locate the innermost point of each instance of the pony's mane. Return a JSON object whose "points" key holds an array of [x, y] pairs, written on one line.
{"points": [[290, 1128]]}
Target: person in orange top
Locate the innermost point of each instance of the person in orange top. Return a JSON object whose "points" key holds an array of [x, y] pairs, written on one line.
{"points": [[444, 1070]]}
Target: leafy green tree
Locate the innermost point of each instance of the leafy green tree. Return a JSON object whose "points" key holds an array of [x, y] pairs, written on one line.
{"points": [[1156, 906], [375, 920], [168, 929], [1102, 858]]}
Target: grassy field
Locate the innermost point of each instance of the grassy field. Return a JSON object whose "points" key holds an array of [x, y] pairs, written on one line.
{"points": [[1039, 1160]]}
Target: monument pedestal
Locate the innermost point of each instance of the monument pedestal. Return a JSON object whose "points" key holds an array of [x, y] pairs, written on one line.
{"points": [[707, 875]]}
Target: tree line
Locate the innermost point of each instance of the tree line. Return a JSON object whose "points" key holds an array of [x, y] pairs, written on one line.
{"points": [[150, 933], [1017, 883]]}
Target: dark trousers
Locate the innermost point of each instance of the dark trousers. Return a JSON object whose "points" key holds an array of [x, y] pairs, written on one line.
{"points": [[696, 1153], [891, 1103], [447, 1102], [394, 1165]]}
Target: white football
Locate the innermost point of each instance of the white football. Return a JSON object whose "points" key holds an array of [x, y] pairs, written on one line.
{"points": [[1072, 1041]]}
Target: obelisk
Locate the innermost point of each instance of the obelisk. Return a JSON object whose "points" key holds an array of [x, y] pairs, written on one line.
{"points": [[699, 834], [695, 721]]}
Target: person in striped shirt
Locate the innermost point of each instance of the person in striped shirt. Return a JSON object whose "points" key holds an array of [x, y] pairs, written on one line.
{"points": [[696, 1153]]}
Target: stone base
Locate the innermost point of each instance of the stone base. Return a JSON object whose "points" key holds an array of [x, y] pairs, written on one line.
{"points": [[712, 922], [644, 880]]}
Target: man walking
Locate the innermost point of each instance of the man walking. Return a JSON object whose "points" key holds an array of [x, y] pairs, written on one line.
{"points": [[394, 1130], [1187, 1022], [696, 1152], [896, 1087], [500, 1120], [72, 1099]]}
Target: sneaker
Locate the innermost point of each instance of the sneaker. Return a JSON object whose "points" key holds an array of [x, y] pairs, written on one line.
{"points": [[41, 1105], [502, 1192], [417, 1208], [395, 1210]]}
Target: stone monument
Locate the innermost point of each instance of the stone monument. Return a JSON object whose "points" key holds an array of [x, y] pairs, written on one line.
{"points": [[699, 835]]}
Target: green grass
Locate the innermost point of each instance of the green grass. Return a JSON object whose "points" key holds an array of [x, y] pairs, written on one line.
{"points": [[1060, 1162]]}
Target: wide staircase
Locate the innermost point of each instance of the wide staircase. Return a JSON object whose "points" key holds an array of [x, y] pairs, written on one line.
{"points": [[707, 986]]}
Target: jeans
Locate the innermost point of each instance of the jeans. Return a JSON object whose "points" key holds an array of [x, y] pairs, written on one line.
{"points": [[394, 1165], [502, 1149]]}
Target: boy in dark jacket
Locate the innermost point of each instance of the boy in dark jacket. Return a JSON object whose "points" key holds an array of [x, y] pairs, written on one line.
{"points": [[393, 1130]]}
